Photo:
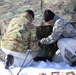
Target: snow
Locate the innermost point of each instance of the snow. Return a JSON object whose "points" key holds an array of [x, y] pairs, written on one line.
{"points": [[36, 68], [39, 67]]}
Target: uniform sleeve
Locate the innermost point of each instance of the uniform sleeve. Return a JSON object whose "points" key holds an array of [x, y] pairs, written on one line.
{"points": [[56, 33]]}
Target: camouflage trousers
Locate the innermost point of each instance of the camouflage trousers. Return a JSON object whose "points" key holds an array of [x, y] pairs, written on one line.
{"points": [[47, 51]]}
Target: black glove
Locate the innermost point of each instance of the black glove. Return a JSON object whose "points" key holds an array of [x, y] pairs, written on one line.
{"points": [[42, 45]]}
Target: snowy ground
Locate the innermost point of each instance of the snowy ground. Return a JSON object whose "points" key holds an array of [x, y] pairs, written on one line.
{"points": [[39, 67], [36, 68]]}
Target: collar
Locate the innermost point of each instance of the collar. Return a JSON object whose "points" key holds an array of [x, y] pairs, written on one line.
{"points": [[54, 20]]}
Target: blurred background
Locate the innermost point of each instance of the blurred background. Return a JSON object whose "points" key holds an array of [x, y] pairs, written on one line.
{"points": [[11, 8]]}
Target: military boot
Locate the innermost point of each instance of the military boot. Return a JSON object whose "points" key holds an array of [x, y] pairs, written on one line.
{"points": [[9, 61]]}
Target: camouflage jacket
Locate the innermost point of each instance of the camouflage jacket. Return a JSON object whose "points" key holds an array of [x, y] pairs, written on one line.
{"points": [[60, 28], [20, 35]]}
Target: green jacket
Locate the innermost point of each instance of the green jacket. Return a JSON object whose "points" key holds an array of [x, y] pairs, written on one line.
{"points": [[20, 35]]}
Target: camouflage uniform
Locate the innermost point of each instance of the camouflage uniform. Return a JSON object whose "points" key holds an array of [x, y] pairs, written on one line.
{"points": [[46, 50], [62, 29], [20, 35]]}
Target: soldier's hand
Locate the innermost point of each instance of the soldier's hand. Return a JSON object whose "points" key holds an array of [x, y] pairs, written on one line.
{"points": [[43, 40]]}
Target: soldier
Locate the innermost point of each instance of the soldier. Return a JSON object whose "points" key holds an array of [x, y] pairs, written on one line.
{"points": [[46, 51], [65, 35], [19, 42]]}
